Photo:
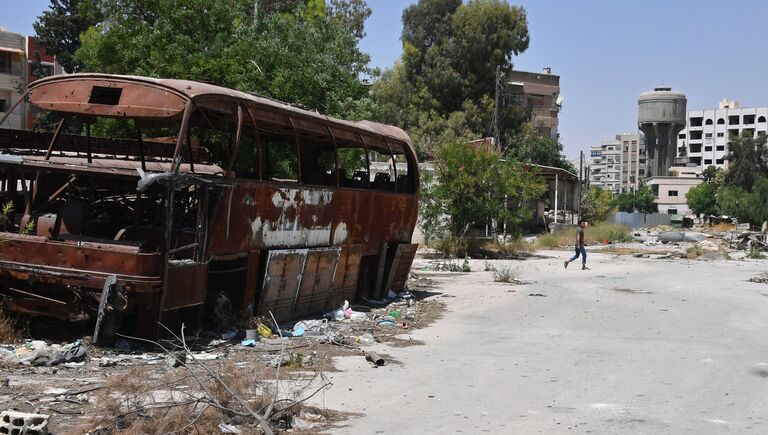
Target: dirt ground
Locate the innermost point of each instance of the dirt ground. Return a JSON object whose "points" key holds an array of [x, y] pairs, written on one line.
{"points": [[97, 394]]}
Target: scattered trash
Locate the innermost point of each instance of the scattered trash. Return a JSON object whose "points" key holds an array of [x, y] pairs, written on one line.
{"points": [[263, 330], [298, 423], [176, 359], [38, 353], [228, 428], [537, 294], [387, 321], [248, 343], [395, 314], [374, 359], [297, 332], [311, 327], [365, 339], [230, 334]]}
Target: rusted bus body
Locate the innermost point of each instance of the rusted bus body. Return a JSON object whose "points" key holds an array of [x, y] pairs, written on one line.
{"points": [[210, 201]]}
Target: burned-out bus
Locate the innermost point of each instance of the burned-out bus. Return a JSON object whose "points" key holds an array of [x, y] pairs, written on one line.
{"points": [[141, 201]]}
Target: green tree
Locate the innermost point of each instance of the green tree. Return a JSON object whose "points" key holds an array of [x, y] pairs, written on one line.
{"points": [[350, 14], [474, 186], [304, 58], [530, 146], [701, 199], [747, 160], [642, 201], [58, 29], [596, 203]]}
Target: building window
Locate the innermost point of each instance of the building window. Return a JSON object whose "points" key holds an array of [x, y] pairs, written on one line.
{"points": [[720, 148], [6, 67], [707, 149], [696, 135], [761, 119], [707, 135], [720, 134], [536, 100], [719, 161], [672, 193], [708, 122], [749, 119], [634, 142], [681, 136], [3, 106], [672, 211], [720, 121], [733, 120], [695, 122], [707, 162]]}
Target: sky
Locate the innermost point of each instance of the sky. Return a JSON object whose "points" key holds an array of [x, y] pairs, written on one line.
{"points": [[606, 52]]}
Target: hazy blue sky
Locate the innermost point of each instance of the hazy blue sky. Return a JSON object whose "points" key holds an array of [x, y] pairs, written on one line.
{"points": [[606, 51]]}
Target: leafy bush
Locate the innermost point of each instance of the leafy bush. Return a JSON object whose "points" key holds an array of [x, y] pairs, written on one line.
{"points": [[597, 233]]}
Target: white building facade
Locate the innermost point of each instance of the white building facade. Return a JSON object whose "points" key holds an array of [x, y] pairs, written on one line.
{"points": [[704, 141], [618, 165]]}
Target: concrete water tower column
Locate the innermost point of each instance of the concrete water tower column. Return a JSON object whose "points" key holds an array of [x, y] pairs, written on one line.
{"points": [[661, 116]]}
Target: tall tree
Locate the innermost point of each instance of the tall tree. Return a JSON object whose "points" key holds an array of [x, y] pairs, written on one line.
{"points": [[58, 29], [350, 14], [303, 58], [473, 186], [747, 160]]}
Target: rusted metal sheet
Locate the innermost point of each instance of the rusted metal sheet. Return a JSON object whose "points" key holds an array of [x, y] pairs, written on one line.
{"points": [[400, 268], [186, 285], [282, 278], [346, 277]]}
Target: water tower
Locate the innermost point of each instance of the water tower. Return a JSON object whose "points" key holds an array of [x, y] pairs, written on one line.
{"points": [[661, 116]]}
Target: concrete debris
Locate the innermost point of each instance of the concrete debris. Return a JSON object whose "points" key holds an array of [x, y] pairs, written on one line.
{"points": [[374, 358], [228, 428], [20, 423], [762, 278]]}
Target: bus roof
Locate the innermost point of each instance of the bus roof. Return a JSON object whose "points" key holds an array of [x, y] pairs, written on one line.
{"points": [[43, 93]]}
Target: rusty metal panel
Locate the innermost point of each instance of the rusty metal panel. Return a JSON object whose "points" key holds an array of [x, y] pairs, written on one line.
{"points": [[185, 286], [251, 281], [400, 267], [282, 278], [317, 281], [346, 276]]}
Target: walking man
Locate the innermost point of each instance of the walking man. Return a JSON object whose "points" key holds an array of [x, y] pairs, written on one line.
{"points": [[580, 247]]}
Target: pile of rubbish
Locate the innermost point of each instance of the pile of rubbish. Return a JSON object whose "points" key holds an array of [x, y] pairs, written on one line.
{"points": [[39, 353]]}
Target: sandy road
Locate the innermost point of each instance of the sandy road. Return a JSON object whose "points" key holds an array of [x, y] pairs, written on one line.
{"points": [[632, 346]]}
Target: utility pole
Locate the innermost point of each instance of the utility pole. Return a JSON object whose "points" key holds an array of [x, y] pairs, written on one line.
{"points": [[496, 134], [581, 179]]}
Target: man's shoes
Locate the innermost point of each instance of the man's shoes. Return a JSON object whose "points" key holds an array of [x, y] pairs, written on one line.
{"points": [[566, 265], [584, 267]]}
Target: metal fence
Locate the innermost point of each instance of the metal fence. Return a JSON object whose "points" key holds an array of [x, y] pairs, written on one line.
{"points": [[639, 220]]}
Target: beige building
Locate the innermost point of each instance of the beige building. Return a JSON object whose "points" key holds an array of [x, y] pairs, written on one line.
{"points": [[18, 57], [670, 193], [540, 92], [618, 165]]}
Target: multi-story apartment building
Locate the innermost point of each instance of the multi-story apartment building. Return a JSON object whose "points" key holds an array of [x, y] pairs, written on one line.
{"points": [[539, 92], [618, 165], [704, 141], [21, 61]]}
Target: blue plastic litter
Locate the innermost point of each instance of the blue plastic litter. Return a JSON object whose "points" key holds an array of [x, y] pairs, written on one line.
{"points": [[248, 343]]}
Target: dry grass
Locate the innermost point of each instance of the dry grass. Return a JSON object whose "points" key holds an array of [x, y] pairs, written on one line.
{"points": [[506, 273], [599, 233], [10, 329], [138, 403], [631, 251], [722, 226]]}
